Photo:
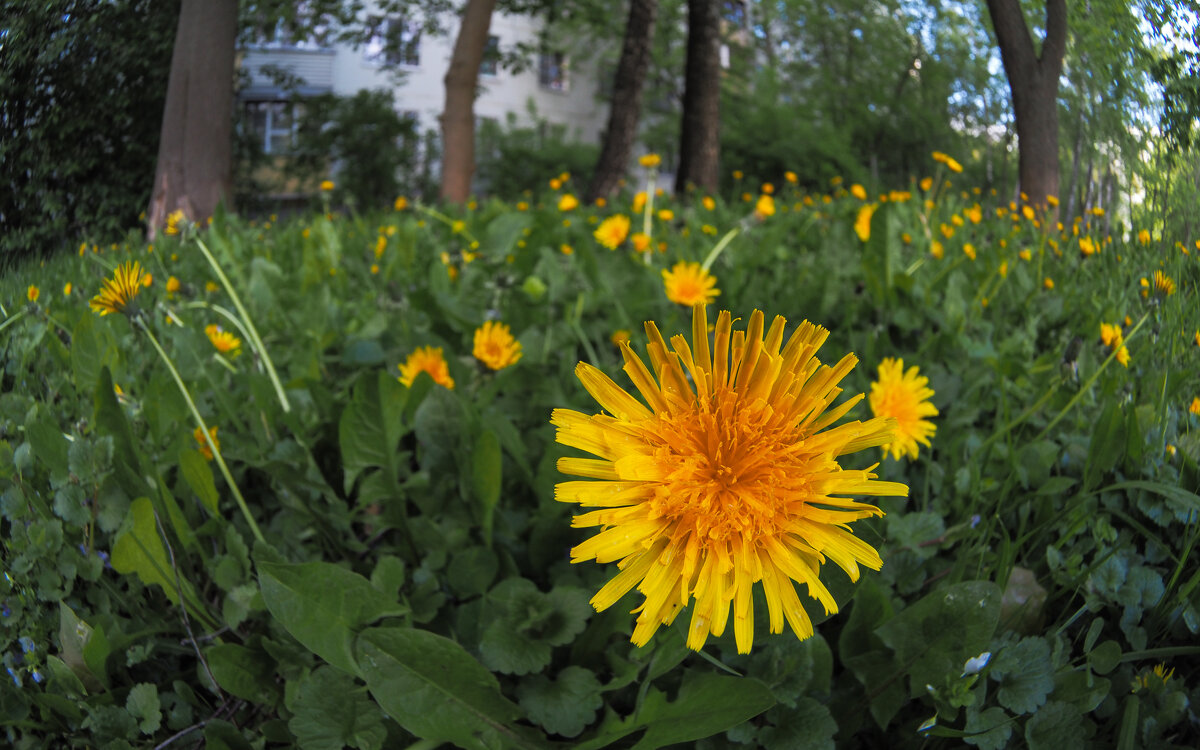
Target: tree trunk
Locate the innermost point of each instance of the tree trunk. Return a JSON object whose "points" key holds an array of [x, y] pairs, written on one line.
{"points": [[1033, 81], [458, 116], [195, 153], [699, 144], [626, 106]]}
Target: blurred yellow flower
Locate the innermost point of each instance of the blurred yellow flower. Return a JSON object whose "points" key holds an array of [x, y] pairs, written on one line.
{"points": [[32, 293], [205, 450], [172, 285], [1003, 270], [1110, 335], [790, 177], [67, 289], [650, 160], [374, 268], [708, 203], [1144, 236], [666, 214], [1195, 407], [768, 188], [1026, 254], [400, 203], [1052, 200], [426, 359], [937, 250], [727, 479], [969, 250], [1123, 356], [1027, 212], [862, 224], [173, 221], [1048, 282], [566, 249], [612, 231], [858, 191], [118, 292], [568, 202], [926, 183], [1163, 284], [620, 336], [639, 202], [765, 206], [224, 341], [737, 174], [974, 213], [555, 183], [326, 185], [949, 161], [689, 284], [904, 396], [495, 346], [1087, 246], [641, 242]]}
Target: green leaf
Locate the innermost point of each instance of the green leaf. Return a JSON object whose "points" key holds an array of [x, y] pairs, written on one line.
{"points": [[93, 348], [323, 605], [110, 419], [198, 475], [330, 712], [144, 706], [1026, 675], [471, 571], [221, 735], [48, 442], [74, 636], [1105, 657], [139, 549], [988, 730], [246, 673], [565, 705], [1107, 445], [1056, 726], [434, 689], [933, 637], [370, 428], [707, 704], [911, 529], [486, 467], [529, 623], [807, 726]]}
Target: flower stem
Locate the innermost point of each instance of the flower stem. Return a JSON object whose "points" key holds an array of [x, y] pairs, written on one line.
{"points": [[237, 494], [16, 316], [255, 340], [719, 247]]}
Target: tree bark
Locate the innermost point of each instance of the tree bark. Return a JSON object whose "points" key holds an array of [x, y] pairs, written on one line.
{"points": [[699, 144], [1033, 81], [458, 116], [194, 172], [626, 106]]}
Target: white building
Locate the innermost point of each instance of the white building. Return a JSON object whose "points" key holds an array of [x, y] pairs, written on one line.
{"points": [[561, 91]]}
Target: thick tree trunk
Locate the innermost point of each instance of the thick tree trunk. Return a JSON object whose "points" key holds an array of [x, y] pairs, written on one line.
{"points": [[195, 153], [626, 106], [699, 144], [1033, 80], [458, 116]]}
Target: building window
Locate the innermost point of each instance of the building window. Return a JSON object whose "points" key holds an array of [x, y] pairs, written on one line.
{"points": [[393, 41], [273, 124], [491, 57], [552, 71]]}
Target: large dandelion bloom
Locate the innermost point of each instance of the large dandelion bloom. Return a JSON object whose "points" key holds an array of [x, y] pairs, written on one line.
{"points": [[689, 284], [426, 359], [495, 346], [612, 231], [905, 397], [703, 493], [118, 292]]}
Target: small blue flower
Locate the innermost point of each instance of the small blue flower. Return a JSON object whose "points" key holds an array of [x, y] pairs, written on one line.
{"points": [[37, 676], [6, 612], [16, 678], [27, 643]]}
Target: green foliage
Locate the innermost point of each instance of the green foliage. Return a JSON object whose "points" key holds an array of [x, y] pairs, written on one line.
{"points": [[512, 159], [415, 581], [80, 112]]}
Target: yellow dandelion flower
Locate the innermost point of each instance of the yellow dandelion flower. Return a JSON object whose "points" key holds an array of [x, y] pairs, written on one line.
{"points": [[926, 184], [765, 206], [858, 191], [1196, 338], [118, 292], [1144, 236], [1123, 356], [568, 202], [1163, 284], [1026, 254], [174, 219], [1003, 270], [1052, 200], [426, 359], [708, 203], [969, 250], [555, 183], [374, 268], [1027, 212], [904, 396], [790, 177], [205, 450], [224, 341], [937, 250], [172, 285], [612, 231], [641, 242], [689, 284], [400, 204], [666, 214], [650, 161], [974, 214], [32, 293], [947, 230], [495, 346], [705, 493], [522, 206], [862, 224], [1195, 407], [737, 174], [326, 185], [67, 289], [906, 238], [949, 161], [1110, 335], [1087, 246], [639, 202], [1048, 282], [211, 286], [956, 220]]}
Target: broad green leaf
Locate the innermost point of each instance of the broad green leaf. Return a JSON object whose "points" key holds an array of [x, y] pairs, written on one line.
{"points": [[329, 712], [1107, 445], [707, 704], [1025, 673], [323, 605], [142, 704], [988, 730], [934, 636], [806, 726], [486, 477], [1056, 726], [246, 673], [48, 442], [433, 688], [110, 419], [93, 349], [370, 428], [564, 705], [75, 636], [139, 549], [471, 571], [198, 475]]}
